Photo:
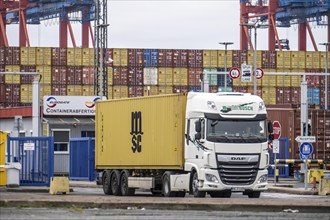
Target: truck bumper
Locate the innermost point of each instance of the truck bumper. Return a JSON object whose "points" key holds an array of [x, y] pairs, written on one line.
{"points": [[260, 183]]}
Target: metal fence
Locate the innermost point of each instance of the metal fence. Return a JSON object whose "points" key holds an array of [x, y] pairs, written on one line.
{"points": [[36, 156]]}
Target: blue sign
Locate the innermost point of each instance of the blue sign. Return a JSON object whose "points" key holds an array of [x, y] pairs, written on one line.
{"points": [[306, 149], [304, 157]]}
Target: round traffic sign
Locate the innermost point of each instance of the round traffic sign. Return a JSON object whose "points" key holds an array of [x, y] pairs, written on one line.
{"points": [[234, 72], [259, 73], [276, 129], [306, 148]]}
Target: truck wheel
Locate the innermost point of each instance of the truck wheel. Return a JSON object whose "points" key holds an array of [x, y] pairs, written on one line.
{"points": [[254, 194], [167, 186], [115, 182], [125, 190], [106, 183], [195, 190]]}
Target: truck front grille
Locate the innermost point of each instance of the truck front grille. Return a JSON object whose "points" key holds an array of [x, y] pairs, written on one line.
{"points": [[238, 173]]}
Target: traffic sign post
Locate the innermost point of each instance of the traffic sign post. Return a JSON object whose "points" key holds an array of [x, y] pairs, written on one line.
{"points": [[306, 150], [276, 150]]}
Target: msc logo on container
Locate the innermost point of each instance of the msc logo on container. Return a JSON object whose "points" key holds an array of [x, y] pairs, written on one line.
{"points": [[136, 131]]}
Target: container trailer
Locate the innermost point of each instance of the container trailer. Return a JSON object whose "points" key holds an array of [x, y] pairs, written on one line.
{"points": [[196, 143]]}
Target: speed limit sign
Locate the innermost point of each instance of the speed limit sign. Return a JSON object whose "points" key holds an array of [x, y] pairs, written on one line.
{"points": [[234, 72], [259, 73]]}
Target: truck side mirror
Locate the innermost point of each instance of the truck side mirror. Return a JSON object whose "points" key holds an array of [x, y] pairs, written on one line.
{"points": [[198, 126], [270, 127], [198, 136]]}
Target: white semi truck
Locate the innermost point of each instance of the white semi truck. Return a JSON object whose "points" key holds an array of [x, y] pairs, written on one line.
{"points": [[197, 143]]}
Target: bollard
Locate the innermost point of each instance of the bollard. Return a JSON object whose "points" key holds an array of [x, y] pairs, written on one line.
{"points": [[277, 174]]}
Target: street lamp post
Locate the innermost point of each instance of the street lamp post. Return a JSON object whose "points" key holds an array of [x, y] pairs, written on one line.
{"points": [[226, 44], [255, 26], [326, 72]]}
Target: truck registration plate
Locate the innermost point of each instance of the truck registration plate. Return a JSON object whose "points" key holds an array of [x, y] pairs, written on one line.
{"points": [[237, 189]]}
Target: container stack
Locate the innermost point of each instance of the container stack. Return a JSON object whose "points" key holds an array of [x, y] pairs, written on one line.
{"points": [[141, 72]]}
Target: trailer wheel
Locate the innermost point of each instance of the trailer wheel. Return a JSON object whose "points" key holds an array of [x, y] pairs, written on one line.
{"points": [[115, 182], [106, 183], [195, 191], [254, 194], [125, 190], [167, 186]]}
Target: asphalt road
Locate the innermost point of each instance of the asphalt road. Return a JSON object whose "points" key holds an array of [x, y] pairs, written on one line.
{"points": [[144, 214]]}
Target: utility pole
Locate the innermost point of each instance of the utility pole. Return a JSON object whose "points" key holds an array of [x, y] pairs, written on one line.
{"points": [[101, 44], [226, 44]]}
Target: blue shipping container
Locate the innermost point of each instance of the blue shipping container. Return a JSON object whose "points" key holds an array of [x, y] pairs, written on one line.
{"points": [[313, 96], [150, 58]]}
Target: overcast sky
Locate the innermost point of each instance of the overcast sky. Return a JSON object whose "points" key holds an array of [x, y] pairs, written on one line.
{"points": [[168, 24]]}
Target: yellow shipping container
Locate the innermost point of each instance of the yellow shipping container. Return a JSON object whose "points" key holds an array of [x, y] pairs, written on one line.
{"points": [[110, 76], [250, 58], [28, 56], [74, 90], [269, 80], [74, 56], [45, 72], [283, 59], [298, 59], [120, 57], [87, 90], [161, 139], [210, 58], [221, 58], [269, 95], [3, 145], [153, 90], [110, 92], [283, 81], [88, 56], [323, 57], [44, 56], [119, 92], [180, 76], [162, 90], [312, 60], [45, 90], [26, 93], [11, 78], [295, 81], [165, 76]]}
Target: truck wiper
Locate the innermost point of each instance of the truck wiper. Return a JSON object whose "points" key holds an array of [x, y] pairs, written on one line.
{"points": [[229, 109]]}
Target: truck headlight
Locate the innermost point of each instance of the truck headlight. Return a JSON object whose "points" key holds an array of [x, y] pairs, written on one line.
{"points": [[262, 179], [261, 106], [211, 178]]}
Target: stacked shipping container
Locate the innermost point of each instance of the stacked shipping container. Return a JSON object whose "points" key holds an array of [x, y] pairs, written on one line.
{"points": [[138, 72]]}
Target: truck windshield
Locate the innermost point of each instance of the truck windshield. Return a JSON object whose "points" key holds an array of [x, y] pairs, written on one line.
{"points": [[234, 131]]}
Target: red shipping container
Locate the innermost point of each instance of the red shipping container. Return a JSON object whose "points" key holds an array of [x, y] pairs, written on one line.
{"points": [[12, 93], [74, 74], [180, 58], [2, 76], [59, 56], [194, 76], [59, 75], [165, 58], [195, 58], [283, 95], [180, 89], [2, 55], [120, 76], [135, 91], [135, 57], [268, 59], [239, 57], [295, 95], [27, 79], [12, 56], [109, 56], [135, 76], [88, 75], [2, 93], [59, 89]]}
